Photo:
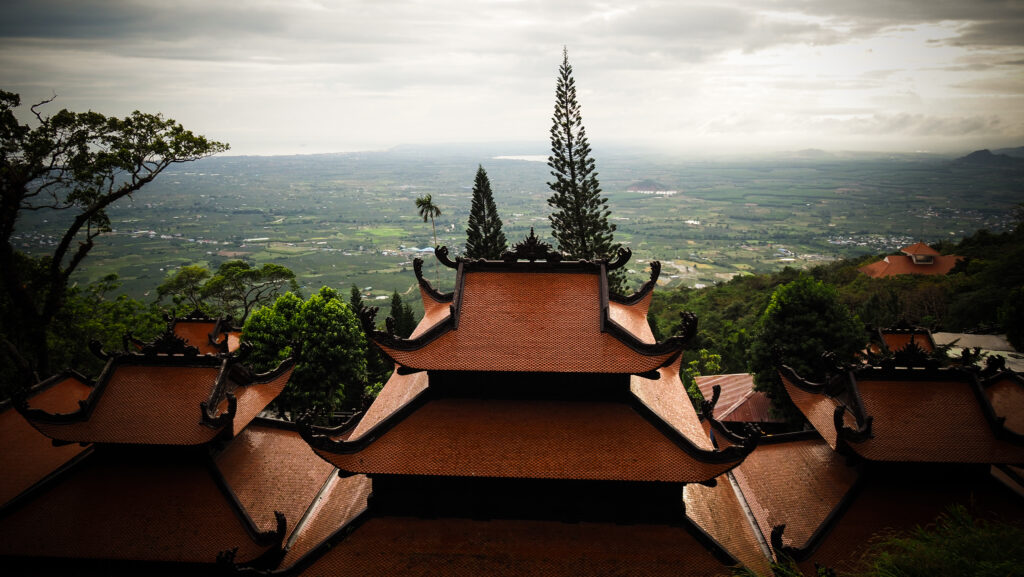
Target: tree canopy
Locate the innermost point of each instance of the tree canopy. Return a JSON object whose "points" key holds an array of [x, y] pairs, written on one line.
{"points": [[579, 218], [803, 320], [80, 163], [484, 237], [324, 336]]}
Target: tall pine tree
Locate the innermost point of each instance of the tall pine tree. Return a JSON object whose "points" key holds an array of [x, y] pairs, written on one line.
{"points": [[579, 221], [484, 238]]}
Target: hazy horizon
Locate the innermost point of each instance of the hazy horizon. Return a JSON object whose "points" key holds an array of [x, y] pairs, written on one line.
{"points": [[737, 77]]}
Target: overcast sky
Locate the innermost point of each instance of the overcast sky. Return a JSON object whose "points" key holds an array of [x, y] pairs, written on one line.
{"points": [[304, 76]]}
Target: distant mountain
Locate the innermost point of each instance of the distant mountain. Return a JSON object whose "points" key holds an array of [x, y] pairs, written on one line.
{"points": [[1014, 152], [986, 159], [646, 184]]}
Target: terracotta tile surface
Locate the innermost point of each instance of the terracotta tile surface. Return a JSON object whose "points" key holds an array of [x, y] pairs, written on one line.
{"points": [[397, 392], [796, 483], [717, 510], [341, 502], [169, 511], [433, 313], [197, 334], [273, 469], [738, 402], [528, 439], [145, 405], [26, 456], [901, 504], [633, 318], [930, 421], [818, 409], [455, 547], [252, 399], [1007, 398], [60, 397], [668, 399], [919, 248], [542, 322]]}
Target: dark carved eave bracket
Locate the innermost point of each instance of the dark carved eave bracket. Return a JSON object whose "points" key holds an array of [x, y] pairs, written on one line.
{"points": [[321, 437], [748, 441], [532, 249], [85, 406], [643, 291], [862, 433], [417, 267]]}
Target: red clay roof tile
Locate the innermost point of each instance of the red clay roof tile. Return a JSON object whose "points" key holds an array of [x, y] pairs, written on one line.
{"points": [[340, 502], [272, 469], [197, 334], [938, 421], [797, 483], [718, 511], [119, 508], [26, 456], [527, 439], [145, 404], [541, 322], [454, 547], [738, 402]]}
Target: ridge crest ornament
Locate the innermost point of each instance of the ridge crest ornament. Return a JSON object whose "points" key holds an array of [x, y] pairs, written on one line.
{"points": [[531, 249]]}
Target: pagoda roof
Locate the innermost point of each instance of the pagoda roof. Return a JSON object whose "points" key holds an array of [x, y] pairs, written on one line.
{"points": [[535, 316], [916, 414], [263, 500], [813, 506], [392, 545], [209, 335], [416, 428], [118, 507], [26, 456], [898, 339], [167, 395]]}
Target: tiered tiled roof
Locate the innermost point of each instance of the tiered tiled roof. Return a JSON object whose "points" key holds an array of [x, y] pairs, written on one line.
{"points": [[450, 546], [546, 316], [27, 457], [416, 429], [924, 414], [167, 395], [814, 506]]}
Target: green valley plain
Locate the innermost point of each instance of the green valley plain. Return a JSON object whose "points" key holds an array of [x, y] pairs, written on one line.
{"points": [[344, 219]]}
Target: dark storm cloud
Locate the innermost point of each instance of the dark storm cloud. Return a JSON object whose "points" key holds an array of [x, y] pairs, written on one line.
{"points": [[984, 22]]}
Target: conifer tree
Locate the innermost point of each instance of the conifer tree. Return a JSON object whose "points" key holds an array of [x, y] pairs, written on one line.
{"points": [[484, 238], [579, 221]]}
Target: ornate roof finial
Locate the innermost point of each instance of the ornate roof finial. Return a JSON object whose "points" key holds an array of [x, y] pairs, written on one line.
{"points": [[532, 249]]}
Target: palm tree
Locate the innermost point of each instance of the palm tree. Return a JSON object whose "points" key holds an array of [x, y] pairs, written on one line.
{"points": [[429, 210]]}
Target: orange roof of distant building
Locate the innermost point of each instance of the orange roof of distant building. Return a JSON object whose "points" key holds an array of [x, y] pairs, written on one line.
{"points": [[919, 248], [164, 399], [915, 414], [917, 259]]}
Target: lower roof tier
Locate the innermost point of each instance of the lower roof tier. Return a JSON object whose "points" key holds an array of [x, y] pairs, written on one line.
{"points": [[413, 546], [639, 429]]}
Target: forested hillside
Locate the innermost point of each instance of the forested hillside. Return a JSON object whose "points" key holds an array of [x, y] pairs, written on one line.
{"points": [[983, 293]]}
